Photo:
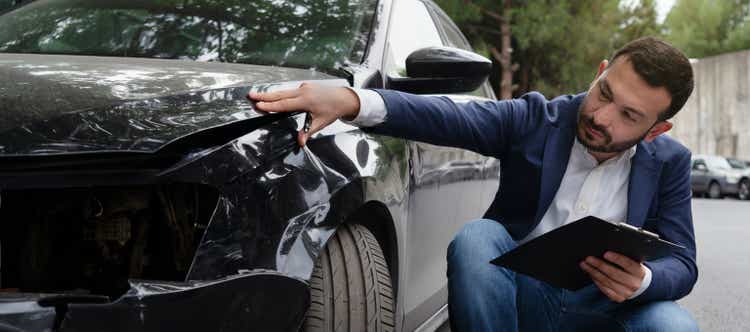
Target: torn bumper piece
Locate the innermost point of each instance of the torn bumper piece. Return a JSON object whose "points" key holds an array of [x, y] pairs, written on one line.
{"points": [[254, 301]]}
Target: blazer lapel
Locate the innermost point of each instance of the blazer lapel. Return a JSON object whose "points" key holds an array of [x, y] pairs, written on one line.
{"points": [[555, 160], [644, 176]]}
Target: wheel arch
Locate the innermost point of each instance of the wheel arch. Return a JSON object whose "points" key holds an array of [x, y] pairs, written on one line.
{"points": [[376, 217]]}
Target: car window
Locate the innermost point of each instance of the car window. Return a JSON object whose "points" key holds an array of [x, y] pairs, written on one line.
{"points": [[412, 28], [293, 33], [736, 163], [453, 37], [697, 162], [717, 163]]}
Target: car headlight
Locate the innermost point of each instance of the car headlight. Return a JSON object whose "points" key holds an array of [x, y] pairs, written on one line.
{"points": [[733, 179]]}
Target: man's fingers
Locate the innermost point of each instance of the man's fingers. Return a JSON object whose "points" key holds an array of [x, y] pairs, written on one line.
{"points": [[624, 262], [274, 96], [612, 295], [317, 124], [614, 273], [284, 105], [601, 278]]}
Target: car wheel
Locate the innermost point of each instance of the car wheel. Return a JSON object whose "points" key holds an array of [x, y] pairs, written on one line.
{"points": [[743, 192], [714, 191], [350, 287]]}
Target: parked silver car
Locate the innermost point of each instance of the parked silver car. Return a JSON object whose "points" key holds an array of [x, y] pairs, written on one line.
{"points": [[714, 176]]}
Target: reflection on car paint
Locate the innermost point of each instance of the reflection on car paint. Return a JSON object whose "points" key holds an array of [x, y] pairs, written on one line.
{"points": [[134, 126], [92, 89]]}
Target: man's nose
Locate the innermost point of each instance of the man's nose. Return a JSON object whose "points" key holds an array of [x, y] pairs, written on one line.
{"points": [[604, 116]]}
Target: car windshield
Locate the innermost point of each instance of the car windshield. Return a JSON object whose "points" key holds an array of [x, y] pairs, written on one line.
{"points": [[718, 162], [318, 34], [737, 164]]}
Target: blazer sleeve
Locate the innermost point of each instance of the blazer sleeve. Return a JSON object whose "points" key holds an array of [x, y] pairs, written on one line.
{"points": [[486, 127], [673, 277]]}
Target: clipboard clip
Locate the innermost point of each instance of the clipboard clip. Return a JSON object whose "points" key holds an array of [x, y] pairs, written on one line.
{"points": [[637, 229]]}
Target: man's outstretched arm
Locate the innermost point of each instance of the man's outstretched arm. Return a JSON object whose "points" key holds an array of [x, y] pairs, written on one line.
{"points": [[485, 127]]}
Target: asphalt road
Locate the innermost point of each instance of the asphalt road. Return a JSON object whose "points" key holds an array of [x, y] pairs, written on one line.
{"points": [[720, 300]]}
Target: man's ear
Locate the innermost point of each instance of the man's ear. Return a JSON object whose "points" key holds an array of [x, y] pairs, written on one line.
{"points": [[602, 67], [658, 129]]}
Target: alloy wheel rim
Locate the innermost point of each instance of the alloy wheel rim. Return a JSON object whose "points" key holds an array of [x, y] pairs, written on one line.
{"points": [[744, 190]]}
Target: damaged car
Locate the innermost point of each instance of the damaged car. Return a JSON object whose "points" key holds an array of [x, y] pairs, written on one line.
{"points": [[141, 191]]}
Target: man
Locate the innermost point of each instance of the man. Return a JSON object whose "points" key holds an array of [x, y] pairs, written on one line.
{"points": [[599, 153]]}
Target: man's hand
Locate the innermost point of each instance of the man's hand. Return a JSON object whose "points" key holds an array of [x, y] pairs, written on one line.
{"points": [[618, 277], [324, 105]]}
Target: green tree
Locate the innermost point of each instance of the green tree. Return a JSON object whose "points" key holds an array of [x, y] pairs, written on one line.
{"points": [[703, 28], [639, 20], [486, 18], [557, 45]]}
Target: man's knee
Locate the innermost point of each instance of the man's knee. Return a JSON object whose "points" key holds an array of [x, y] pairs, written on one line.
{"points": [[660, 316], [479, 241]]}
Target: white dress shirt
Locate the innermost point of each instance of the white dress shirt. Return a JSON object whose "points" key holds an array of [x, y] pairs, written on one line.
{"points": [[588, 188]]}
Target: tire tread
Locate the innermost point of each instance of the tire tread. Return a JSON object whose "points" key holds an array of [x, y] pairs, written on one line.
{"points": [[350, 287]]}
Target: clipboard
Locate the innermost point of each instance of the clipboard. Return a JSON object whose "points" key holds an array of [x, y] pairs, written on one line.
{"points": [[554, 257]]}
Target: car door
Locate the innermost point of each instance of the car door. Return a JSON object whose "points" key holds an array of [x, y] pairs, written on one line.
{"points": [[446, 187], [453, 37], [699, 175]]}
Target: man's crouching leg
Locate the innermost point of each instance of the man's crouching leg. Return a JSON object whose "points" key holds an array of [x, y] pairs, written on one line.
{"points": [[481, 296], [661, 316]]}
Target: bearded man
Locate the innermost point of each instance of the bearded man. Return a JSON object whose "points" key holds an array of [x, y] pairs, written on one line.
{"points": [[599, 153]]}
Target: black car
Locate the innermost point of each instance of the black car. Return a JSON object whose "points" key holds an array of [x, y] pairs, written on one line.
{"points": [[141, 191]]}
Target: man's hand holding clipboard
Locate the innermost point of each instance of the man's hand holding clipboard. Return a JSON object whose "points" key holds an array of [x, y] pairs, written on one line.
{"points": [[589, 250]]}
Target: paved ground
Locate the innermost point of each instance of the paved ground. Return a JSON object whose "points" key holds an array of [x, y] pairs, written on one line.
{"points": [[720, 300]]}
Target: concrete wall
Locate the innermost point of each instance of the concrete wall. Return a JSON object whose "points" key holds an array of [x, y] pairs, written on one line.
{"points": [[716, 118]]}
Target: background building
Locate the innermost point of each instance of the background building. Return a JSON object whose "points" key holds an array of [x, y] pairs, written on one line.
{"points": [[715, 119]]}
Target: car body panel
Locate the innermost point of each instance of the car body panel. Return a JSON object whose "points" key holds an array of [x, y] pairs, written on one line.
{"points": [[136, 105]]}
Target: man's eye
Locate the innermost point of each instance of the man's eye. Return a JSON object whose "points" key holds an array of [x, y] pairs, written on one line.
{"points": [[604, 97], [628, 116]]}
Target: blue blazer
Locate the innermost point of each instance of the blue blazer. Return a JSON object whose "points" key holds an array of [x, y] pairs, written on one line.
{"points": [[533, 137]]}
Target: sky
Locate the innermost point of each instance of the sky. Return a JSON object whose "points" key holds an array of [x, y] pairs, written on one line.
{"points": [[663, 7]]}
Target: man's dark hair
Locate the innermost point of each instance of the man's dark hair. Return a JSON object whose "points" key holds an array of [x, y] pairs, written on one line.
{"points": [[661, 65]]}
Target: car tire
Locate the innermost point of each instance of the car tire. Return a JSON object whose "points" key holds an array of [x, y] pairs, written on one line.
{"points": [[350, 287], [714, 190], [743, 192]]}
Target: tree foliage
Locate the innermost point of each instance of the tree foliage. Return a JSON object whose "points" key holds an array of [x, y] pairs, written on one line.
{"points": [[557, 45], [703, 28]]}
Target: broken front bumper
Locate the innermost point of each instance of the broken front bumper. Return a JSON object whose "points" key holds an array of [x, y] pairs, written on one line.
{"points": [[254, 301]]}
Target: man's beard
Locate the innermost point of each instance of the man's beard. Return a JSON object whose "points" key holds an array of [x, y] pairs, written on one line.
{"points": [[608, 147]]}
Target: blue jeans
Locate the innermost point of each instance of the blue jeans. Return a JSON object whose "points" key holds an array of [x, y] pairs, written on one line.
{"points": [[486, 297]]}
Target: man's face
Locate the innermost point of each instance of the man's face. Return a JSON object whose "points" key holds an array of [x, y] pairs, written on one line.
{"points": [[620, 110]]}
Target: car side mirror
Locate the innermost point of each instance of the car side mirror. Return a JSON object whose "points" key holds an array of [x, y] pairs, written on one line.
{"points": [[700, 167], [442, 70]]}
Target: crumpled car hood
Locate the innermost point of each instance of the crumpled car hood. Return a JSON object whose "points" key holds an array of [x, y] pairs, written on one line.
{"points": [[52, 104]]}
